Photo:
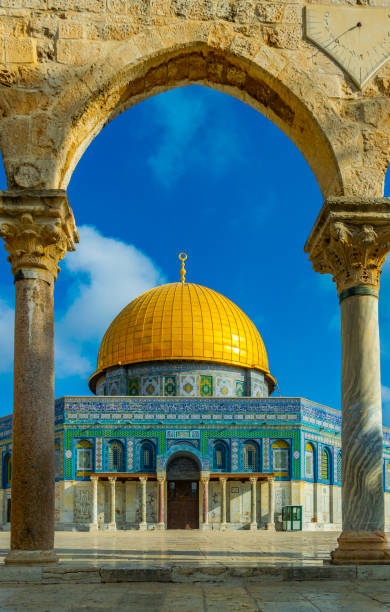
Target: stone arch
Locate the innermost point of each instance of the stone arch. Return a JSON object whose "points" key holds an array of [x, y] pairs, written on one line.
{"points": [[126, 77], [183, 466]]}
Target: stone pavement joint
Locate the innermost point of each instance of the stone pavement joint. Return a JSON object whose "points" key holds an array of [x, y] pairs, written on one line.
{"points": [[369, 596], [189, 557]]}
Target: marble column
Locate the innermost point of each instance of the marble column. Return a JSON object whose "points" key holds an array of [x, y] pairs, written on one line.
{"points": [[205, 504], [253, 525], [94, 521], [271, 505], [161, 503], [143, 524], [350, 240], [223, 502], [38, 229], [112, 523]]}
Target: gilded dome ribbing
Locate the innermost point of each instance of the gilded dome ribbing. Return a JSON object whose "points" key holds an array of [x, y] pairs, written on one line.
{"points": [[182, 321]]}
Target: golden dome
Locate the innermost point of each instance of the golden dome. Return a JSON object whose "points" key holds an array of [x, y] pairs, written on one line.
{"points": [[182, 321]]}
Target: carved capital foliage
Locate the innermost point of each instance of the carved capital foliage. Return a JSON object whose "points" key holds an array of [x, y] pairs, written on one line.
{"points": [[38, 228], [350, 241]]}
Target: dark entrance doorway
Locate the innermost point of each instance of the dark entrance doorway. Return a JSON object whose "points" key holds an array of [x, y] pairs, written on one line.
{"points": [[183, 493]]}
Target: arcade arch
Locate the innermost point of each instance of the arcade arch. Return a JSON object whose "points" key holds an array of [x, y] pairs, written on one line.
{"points": [[58, 96]]}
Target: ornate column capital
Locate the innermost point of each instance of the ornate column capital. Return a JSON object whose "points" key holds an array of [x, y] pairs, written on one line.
{"points": [[222, 479], [143, 479], [253, 479], [112, 479], [94, 478], [38, 228], [161, 479], [350, 240], [204, 479]]}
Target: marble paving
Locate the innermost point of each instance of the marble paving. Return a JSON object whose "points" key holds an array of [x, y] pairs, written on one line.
{"points": [[172, 548], [370, 596]]}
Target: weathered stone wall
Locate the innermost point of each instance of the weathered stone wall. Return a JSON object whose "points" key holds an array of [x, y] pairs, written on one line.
{"points": [[67, 67]]}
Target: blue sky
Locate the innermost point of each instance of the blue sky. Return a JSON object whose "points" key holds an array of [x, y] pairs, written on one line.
{"points": [[195, 170]]}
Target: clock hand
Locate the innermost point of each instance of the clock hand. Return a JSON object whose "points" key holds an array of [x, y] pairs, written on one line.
{"points": [[336, 39]]}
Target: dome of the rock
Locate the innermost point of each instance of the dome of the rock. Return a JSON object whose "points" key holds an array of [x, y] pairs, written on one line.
{"points": [[182, 321]]}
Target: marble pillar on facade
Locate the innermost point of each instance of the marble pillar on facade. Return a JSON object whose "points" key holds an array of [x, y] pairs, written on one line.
{"points": [[205, 502], [350, 240], [38, 229], [94, 518], [223, 502], [112, 523], [143, 524], [161, 502], [270, 525], [253, 525]]}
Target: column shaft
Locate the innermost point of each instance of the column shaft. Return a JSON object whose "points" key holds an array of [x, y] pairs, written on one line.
{"points": [[113, 502], [205, 517], [143, 524], [271, 505], [253, 482], [362, 441], [161, 503], [94, 480], [32, 510], [223, 502]]}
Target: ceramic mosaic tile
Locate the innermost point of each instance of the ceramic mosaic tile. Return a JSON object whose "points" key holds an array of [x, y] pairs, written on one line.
{"points": [[170, 386], [133, 386], [99, 454], [188, 385], [150, 385], [240, 388], [266, 454], [206, 386], [130, 458], [223, 386]]}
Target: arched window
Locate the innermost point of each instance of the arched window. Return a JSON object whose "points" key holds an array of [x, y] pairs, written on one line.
{"points": [[220, 456], [115, 456], [147, 457], [251, 459], [7, 471], [339, 466], [309, 461], [84, 457], [280, 457], [325, 465]]}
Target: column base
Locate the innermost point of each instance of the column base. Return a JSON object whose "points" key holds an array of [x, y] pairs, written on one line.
{"points": [[111, 526], [204, 526], [223, 526], [361, 548], [161, 526], [270, 526], [253, 527], [143, 526], [93, 526], [30, 557]]}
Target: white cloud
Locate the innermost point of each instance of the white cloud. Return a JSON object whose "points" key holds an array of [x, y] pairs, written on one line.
{"points": [[107, 274], [192, 130], [6, 336]]}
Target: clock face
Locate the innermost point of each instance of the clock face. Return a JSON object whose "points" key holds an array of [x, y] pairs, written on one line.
{"points": [[357, 38]]}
